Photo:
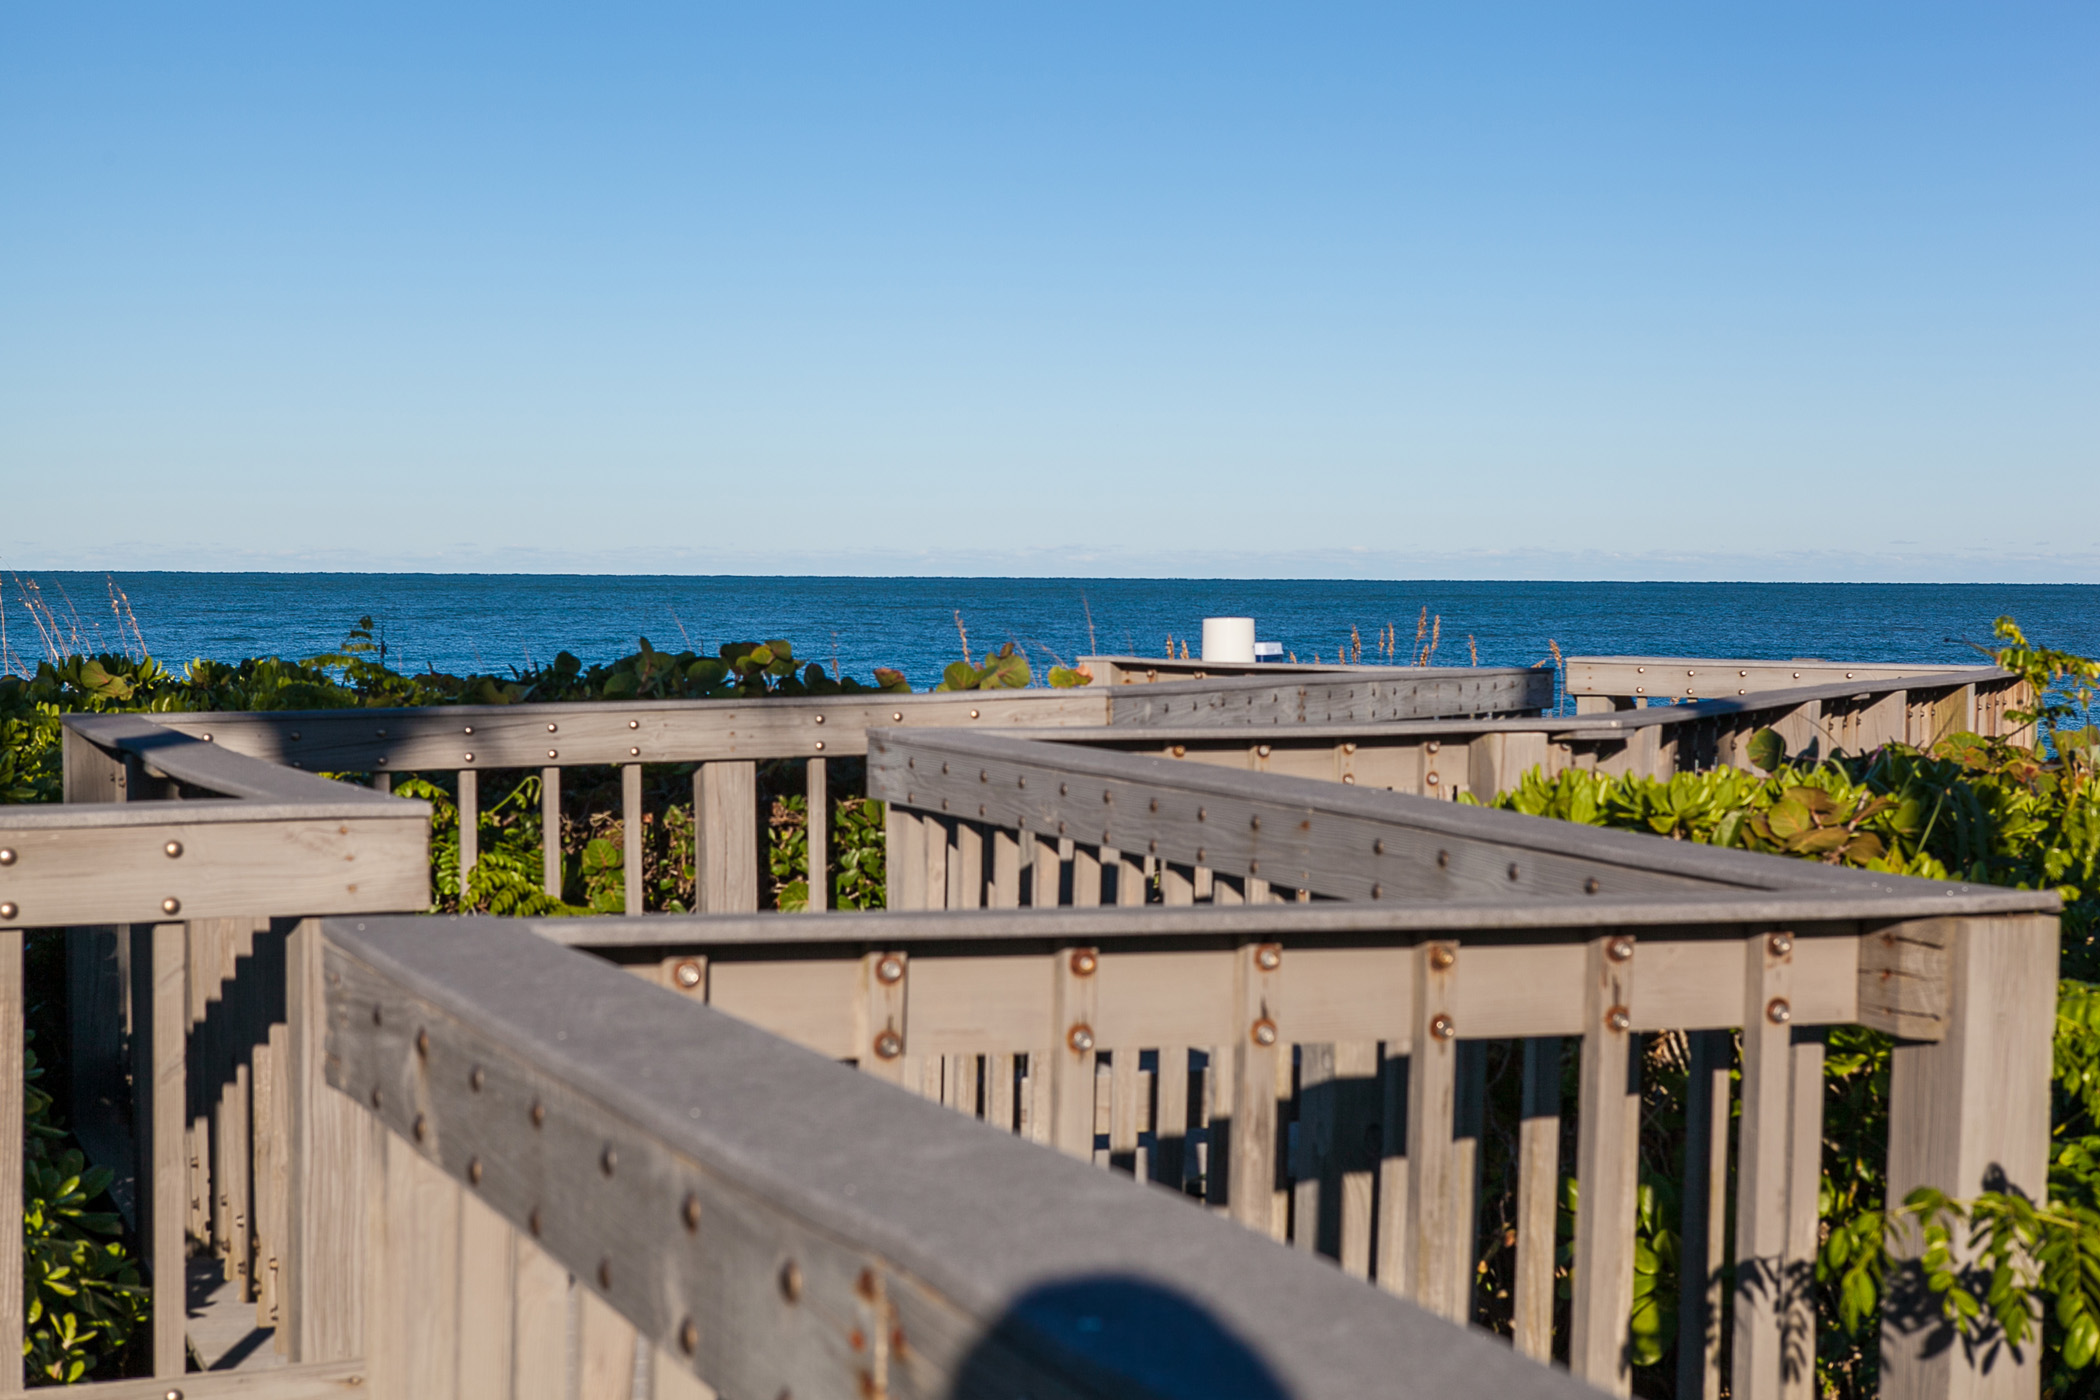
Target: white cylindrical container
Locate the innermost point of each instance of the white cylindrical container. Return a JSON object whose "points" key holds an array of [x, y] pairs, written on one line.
{"points": [[1229, 639]]}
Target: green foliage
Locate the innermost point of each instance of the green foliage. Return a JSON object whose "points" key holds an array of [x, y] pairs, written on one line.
{"points": [[856, 853], [1004, 669], [2062, 683], [85, 1303]]}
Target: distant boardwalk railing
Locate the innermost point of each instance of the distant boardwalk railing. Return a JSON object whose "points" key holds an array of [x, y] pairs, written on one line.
{"points": [[537, 1169]]}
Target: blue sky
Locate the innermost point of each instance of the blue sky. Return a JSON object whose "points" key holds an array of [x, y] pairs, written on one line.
{"points": [[1785, 291]]}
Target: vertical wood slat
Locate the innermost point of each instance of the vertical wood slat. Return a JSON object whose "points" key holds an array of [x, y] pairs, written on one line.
{"points": [[550, 831], [817, 785], [412, 1276], [1762, 1167], [272, 1169], [904, 858], [1965, 1108], [1177, 884], [1259, 1047], [999, 1092], [605, 1347], [160, 1046], [1046, 877], [1126, 1088], [1607, 1171], [634, 899], [1006, 869], [469, 825], [1432, 1229], [12, 1130], [1069, 1067], [1356, 1124], [1086, 877], [1168, 1164], [1315, 1173], [331, 1140], [1701, 1289], [966, 862], [1389, 1260], [1130, 879], [938, 832], [1797, 1294], [1538, 1198], [539, 1326], [487, 1282]]}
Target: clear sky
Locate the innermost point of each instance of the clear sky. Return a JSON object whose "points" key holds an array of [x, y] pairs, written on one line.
{"points": [[1568, 290]]}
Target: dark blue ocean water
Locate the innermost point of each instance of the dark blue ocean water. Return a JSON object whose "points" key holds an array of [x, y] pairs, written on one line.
{"points": [[492, 622]]}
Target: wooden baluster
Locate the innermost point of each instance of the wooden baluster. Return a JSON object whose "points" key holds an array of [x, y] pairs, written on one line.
{"points": [[1315, 1175], [1797, 1296], [634, 899], [1762, 1167], [1356, 1148], [487, 1281], [1130, 880], [1069, 1066], [1434, 1229], [1701, 1291], [1177, 884], [883, 1005], [1126, 1086], [469, 827], [939, 832], [1086, 877], [12, 1130], [904, 858], [1258, 1049], [818, 781], [273, 1094], [1538, 1198], [1390, 1261], [539, 1323], [1046, 879], [1006, 869], [550, 832], [1607, 1170], [1168, 1164], [1966, 1110], [382, 782], [966, 867], [605, 1343], [160, 1076], [725, 833], [331, 1159]]}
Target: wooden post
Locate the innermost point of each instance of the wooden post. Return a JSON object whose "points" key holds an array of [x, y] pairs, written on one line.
{"points": [[1170, 1119], [1797, 1297], [818, 782], [160, 1034], [1967, 1113], [1538, 1197], [1762, 1166], [469, 828], [634, 893], [1607, 1170], [1075, 983], [1259, 1047], [550, 831], [883, 1004], [1006, 869], [1701, 1294], [1390, 1261], [725, 822], [96, 996], [1432, 1109]]}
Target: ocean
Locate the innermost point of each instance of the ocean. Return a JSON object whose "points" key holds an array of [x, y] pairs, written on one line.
{"points": [[493, 622]]}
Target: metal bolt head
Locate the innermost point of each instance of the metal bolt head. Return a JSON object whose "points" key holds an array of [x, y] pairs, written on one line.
{"points": [[889, 1045], [1262, 749], [539, 1113], [171, 905], [1619, 949], [1268, 957], [1080, 1038], [422, 1127], [634, 724], [476, 1077], [7, 857], [1442, 956], [889, 969], [1513, 870], [1778, 1011], [973, 714], [897, 715], [1443, 1027], [467, 730], [1618, 1018], [690, 1213], [551, 728], [466, 758], [1263, 1032], [634, 753], [1779, 944], [474, 1170], [605, 1273], [553, 753], [1084, 962], [1590, 885], [423, 1044], [532, 1221], [7, 911], [172, 850], [688, 1337], [688, 973], [820, 745], [608, 1160], [791, 1281]]}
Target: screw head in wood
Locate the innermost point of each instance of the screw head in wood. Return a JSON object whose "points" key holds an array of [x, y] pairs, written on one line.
{"points": [[539, 1113], [1349, 778], [608, 1160], [172, 1395], [173, 850], [1778, 1011], [1378, 891], [423, 1044], [1262, 749], [466, 758], [605, 1273], [888, 1045], [474, 1170], [1590, 886], [1084, 961], [468, 730], [1268, 957], [820, 746], [1618, 1018], [688, 973], [889, 969], [476, 1078], [551, 753], [1434, 780], [422, 1127], [7, 857], [171, 905], [1180, 751], [1080, 1038], [1443, 1027], [532, 1222], [1443, 860], [689, 1212], [1620, 949], [791, 1281], [634, 724], [552, 728], [634, 753], [1433, 747], [378, 1014], [897, 715], [1263, 1032], [973, 714], [377, 1098], [688, 1337], [1779, 944]]}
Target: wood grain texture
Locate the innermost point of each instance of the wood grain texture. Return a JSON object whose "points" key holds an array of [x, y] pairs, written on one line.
{"points": [[12, 1085], [550, 832], [540, 1317], [1538, 1199], [1762, 1169], [817, 789], [329, 1381], [330, 1144], [1433, 1206], [469, 791], [1607, 1170], [1702, 1284]]}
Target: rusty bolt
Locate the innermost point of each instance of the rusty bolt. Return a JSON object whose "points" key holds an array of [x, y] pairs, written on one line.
{"points": [[423, 1044], [791, 1281], [474, 1170], [173, 849], [171, 905], [688, 1337], [378, 1014], [1268, 957], [889, 969], [1263, 1032], [1778, 1012], [7, 857], [1443, 1027], [1378, 891], [865, 1284], [552, 728], [1262, 749], [1084, 962], [1512, 870], [1590, 886], [889, 1045], [1434, 780], [476, 1078], [422, 1128], [1620, 949], [634, 724], [7, 910], [1618, 1018], [1779, 944], [1443, 860], [1080, 1037], [690, 1213], [688, 973], [608, 1160], [1254, 823], [539, 1113], [532, 1222], [1442, 956], [377, 1098]]}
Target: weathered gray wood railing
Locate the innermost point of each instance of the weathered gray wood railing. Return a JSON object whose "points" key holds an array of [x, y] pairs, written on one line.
{"points": [[180, 918], [1771, 947], [728, 738]]}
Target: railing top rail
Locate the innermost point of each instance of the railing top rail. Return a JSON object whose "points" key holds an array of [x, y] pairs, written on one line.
{"points": [[1386, 921], [187, 758], [992, 1257], [1674, 675], [1183, 666], [1359, 840]]}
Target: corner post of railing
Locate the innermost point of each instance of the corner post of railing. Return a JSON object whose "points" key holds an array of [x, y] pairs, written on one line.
{"points": [[1969, 1112]]}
